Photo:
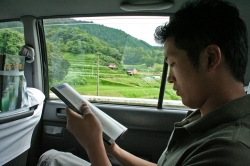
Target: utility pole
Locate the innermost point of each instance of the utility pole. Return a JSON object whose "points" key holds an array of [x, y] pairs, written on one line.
{"points": [[148, 71], [97, 90], [92, 68]]}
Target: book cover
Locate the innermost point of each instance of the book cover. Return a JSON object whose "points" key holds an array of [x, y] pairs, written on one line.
{"points": [[112, 129]]}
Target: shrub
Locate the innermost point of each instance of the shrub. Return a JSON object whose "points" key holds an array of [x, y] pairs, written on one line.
{"points": [[74, 79]]}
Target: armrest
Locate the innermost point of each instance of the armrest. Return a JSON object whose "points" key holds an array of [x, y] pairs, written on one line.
{"points": [[17, 114]]}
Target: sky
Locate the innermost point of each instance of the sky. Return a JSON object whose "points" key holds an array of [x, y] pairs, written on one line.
{"points": [[140, 27]]}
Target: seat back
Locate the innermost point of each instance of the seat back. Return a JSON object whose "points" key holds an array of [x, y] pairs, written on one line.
{"points": [[21, 110]]}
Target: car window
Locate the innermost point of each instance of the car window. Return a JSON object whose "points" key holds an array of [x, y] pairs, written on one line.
{"points": [[108, 59]]}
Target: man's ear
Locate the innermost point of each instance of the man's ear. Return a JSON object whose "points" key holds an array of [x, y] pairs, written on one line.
{"points": [[213, 56]]}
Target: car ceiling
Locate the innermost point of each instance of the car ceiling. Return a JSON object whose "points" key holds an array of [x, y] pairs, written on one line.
{"points": [[44, 8], [15, 9]]}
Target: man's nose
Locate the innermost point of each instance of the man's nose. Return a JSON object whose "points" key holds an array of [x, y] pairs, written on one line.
{"points": [[171, 77]]}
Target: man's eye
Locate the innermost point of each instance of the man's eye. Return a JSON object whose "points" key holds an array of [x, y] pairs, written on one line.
{"points": [[172, 64]]}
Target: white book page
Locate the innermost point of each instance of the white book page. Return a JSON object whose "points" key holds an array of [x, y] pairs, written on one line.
{"points": [[110, 126]]}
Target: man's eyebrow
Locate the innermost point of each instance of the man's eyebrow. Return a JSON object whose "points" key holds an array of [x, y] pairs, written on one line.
{"points": [[166, 59]]}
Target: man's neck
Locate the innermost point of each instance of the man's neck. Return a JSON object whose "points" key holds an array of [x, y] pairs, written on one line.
{"points": [[222, 96]]}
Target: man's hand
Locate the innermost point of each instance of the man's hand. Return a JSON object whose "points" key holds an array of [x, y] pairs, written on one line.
{"points": [[88, 131], [86, 128]]}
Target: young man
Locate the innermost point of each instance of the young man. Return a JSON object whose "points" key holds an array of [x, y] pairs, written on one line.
{"points": [[206, 48]]}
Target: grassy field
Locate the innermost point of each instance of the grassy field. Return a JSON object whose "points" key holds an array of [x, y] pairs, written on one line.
{"points": [[114, 83]]}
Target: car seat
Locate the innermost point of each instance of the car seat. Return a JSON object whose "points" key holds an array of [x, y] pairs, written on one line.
{"points": [[17, 121]]}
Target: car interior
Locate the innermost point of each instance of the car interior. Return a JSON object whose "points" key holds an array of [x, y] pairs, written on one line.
{"points": [[47, 33]]}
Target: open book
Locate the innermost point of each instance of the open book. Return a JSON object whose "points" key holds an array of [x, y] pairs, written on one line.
{"points": [[112, 129]]}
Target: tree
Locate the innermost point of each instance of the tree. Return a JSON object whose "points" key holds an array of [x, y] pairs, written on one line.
{"points": [[133, 55], [114, 53], [148, 60], [57, 65], [11, 41], [158, 56]]}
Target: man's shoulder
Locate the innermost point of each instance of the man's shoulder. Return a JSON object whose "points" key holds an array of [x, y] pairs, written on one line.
{"points": [[242, 134], [230, 152], [238, 131]]}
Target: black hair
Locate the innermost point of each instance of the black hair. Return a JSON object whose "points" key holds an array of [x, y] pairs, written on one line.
{"points": [[200, 23]]}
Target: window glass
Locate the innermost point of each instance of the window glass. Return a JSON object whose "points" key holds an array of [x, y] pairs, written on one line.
{"points": [[107, 59]]}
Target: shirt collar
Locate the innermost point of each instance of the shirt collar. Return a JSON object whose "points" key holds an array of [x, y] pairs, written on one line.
{"points": [[223, 114]]}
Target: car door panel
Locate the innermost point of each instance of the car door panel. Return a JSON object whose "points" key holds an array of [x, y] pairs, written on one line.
{"points": [[148, 132]]}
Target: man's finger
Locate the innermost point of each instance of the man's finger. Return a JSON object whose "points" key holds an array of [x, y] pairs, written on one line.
{"points": [[72, 118], [70, 113], [85, 109]]}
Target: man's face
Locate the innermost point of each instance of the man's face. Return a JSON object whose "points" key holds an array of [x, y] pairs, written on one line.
{"points": [[188, 82]]}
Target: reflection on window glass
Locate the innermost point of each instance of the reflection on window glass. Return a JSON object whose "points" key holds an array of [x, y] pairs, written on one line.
{"points": [[11, 37], [107, 59], [11, 42]]}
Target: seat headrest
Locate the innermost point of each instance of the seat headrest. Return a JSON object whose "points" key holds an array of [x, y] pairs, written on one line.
{"points": [[28, 52]]}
